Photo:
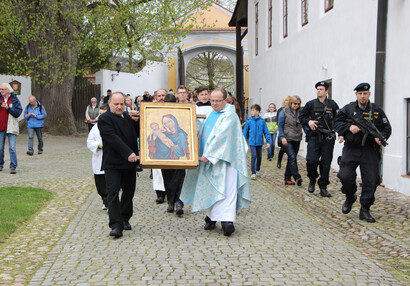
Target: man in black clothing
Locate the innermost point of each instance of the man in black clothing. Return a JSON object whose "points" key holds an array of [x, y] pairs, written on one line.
{"points": [[318, 115], [361, 148], [107, 97], [120, 155]]}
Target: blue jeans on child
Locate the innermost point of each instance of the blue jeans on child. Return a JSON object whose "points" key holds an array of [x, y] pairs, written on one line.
{"points": [[12, 148], [256, 155], [271, 149]]}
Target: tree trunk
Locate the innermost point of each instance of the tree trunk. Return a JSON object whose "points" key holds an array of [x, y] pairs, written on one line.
{"points": [[53, 55]]}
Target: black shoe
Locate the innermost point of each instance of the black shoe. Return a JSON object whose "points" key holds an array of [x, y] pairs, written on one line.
{"points": [[116, 232], [311, 187], [299, 182], [347, 205], [179, 209], [228, 228], [279, 165], [127, 225], [160, 200], [325, 193], [209, 224], [269, 158], [30, 153], [365, 215], [170, 208]]}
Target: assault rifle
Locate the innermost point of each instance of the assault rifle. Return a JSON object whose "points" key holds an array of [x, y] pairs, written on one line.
{"points": [[367, 127]]}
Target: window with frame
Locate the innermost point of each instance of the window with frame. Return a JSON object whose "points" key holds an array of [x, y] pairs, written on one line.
{"points": [[329, 5], [304, 14], [408, 138], [269, 23], [256, 28], [285, 18]]}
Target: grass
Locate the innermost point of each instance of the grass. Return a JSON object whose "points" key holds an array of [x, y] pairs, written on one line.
{"points": [[18, 205]]}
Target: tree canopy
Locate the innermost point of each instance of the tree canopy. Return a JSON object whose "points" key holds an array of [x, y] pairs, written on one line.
{"points": [[54, 40]]}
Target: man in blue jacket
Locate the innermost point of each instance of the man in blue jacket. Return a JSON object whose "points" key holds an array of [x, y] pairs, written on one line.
{"points": [[35, 114], [10, 110]]}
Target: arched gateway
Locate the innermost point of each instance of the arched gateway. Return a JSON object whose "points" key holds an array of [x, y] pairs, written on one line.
{"points": [[216, 36]]}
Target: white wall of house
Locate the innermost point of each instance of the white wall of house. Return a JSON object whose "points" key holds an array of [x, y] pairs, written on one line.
{"points": [[339, 45], [153, 77], [25, 89], [397, 93]]}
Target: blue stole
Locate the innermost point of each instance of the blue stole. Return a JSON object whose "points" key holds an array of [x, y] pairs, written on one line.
{"points": [[206, 130]]}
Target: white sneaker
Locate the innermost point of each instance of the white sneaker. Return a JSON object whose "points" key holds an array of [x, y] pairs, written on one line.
{"points": [[253, 177], [104, 208], [258, 174]]}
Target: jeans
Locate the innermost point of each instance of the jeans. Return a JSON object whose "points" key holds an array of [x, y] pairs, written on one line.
{"points": [[271, 149], [292, 170], [256, 155], [12, 148], [39, 133]]}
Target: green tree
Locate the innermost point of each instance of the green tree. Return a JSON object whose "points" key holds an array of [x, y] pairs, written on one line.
{"points": [[210, 69], [53, 40]]}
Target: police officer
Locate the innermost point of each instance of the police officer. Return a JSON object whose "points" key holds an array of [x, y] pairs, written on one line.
{"points": [[318, 115], [361, 149]]}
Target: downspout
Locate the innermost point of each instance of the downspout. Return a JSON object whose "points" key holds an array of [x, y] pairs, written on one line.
{"points": [[381, 61], [381, 51]]}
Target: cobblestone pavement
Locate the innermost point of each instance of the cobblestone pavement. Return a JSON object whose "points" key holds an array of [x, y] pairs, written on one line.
{"points": [[286, 236]]}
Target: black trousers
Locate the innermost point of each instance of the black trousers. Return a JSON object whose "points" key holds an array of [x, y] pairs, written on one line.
{"points": [[120, 210], [367, 158], [319, 153], [101, 187], [173, 181]]}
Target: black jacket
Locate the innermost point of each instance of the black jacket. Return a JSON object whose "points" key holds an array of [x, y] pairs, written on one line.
{"points": [[379, 119], [119, 137]]}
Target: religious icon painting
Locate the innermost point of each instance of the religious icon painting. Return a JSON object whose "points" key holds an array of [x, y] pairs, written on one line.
{"points": [[168, 137]]}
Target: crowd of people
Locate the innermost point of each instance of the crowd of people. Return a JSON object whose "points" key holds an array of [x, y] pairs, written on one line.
{"points": [[220, 184]]}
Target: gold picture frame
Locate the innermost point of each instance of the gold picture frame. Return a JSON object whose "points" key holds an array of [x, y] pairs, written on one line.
{"points": [[168, 135]]}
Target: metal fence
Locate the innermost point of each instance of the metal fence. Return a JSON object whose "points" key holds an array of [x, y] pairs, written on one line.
{"points": [[84, 90]]}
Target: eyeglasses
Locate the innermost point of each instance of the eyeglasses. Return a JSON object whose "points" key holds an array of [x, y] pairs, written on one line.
{"points": [[217, 101], [296, 103], [3, 88]]}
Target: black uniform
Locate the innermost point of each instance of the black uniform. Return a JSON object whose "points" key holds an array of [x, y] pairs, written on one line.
{"points": [[354, 154], [320, 141]]}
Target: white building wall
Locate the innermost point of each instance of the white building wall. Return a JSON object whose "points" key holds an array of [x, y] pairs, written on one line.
{"points": [[153, 77], [25, 89], [338, 45], [396, 93]]}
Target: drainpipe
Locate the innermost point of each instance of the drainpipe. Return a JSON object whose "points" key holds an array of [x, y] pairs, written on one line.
{"points": [[381, 51], [380, 61]]}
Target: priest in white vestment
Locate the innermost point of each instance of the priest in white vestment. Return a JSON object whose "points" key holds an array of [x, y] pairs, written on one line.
{"points": [[220, 185]]}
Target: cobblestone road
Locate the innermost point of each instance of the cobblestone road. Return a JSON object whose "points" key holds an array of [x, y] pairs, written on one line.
{"points": [[285, 237]]}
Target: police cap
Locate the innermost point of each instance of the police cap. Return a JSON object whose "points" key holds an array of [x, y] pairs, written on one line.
{"points": [[364, 86], [322, 83]]}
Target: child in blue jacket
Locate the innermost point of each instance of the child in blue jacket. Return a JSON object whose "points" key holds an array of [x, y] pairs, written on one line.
{"points": [[255, 129]]}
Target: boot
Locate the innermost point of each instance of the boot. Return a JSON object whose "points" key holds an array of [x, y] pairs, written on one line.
{"points": [[228, 228], [347, 205], [209, 224], [311, 187], [325, 193], [160, 197], [170, 208], [365, 214]]}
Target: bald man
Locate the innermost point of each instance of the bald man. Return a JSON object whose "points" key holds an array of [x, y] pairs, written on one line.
{"points": [[120, 155]]}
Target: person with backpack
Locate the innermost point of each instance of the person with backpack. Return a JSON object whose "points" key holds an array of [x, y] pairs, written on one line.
{"points": [[35, 114]]}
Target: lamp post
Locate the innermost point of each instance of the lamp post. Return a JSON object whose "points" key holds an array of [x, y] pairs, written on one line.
{"points": [[117, 68]]}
